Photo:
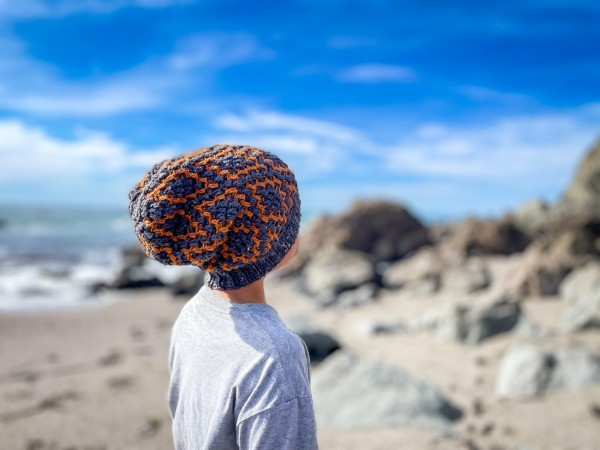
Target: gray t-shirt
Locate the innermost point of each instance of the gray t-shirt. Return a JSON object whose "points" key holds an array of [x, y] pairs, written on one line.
{"points": [[239, 378]]}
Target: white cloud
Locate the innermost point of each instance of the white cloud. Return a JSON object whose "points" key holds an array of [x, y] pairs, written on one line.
{"points": [[44, 163], [376, 73], [312, 147], [268, 120], [539, 150]]}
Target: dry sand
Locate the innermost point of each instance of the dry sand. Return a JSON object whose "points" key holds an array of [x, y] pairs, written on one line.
{"points": [[96, 378]]}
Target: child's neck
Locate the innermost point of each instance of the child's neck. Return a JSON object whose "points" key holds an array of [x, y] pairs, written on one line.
{"points": [[252, 293]]}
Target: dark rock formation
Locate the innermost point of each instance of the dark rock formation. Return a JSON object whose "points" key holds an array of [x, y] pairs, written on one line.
{"points": [[386, 231], [486, 237]]}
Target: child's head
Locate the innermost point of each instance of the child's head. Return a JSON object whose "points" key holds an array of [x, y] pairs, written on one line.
{"points": [[231, 210]]}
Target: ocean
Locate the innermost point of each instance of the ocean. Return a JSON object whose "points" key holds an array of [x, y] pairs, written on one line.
{"points": [[50, 255]]}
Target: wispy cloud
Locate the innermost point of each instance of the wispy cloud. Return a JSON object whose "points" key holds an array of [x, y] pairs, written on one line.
{"points": [[539, 150], [480, 93], [29, 86], [269, 120], [310, 145], [216, 51], [32, 9], [376, 73]]}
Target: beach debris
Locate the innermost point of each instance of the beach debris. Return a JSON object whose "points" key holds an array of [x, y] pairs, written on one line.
{"points": [[351, 392]]}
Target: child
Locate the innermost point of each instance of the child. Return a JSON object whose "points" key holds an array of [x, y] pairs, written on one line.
{"points": [[239, 377]]}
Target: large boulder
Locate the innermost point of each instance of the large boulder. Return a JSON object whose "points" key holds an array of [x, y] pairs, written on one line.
{"points": [[582, 290], [333, 271], [474, 322], [420, 273], [486, 237], [350, 392], [384, 230], [581, 282], [469, 276], [527, 370]]}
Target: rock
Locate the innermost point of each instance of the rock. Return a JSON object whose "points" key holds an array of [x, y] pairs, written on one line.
{"points": [[134, 278], [584, 314], [524, 371], [486, 237], [471, 276], [527, 370], [381, 328], [584, 189], [360, 296], [581, 282], [180, 280], [532, 217], [528, 328], [319, 343], [473, 323], [541, 271], [333, 271], [420, 273], [384, 230], [582, 290], [574, 368], [350, 392]]}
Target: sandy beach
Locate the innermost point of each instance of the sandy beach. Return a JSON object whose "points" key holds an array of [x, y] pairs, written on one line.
{"points": [[96, 377]]}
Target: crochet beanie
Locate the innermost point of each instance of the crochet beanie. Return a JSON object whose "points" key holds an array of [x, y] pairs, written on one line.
{"points": [[231, 210]]}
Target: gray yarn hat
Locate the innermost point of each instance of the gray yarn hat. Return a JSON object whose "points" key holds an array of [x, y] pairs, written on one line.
{"points": [[231, 210]]}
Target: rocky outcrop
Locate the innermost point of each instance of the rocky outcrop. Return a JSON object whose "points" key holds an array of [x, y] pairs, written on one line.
{"points": [[486, 237], [467, 277], [541, 270], [384, 230], [421, 273], [350, 392], [474, 322], [333, 271], [527, 370], [584, 189]]}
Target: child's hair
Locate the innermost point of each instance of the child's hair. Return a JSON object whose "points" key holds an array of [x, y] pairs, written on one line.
{"points": [[231, 210]]}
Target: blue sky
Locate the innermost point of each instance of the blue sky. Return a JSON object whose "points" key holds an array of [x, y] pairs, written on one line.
{"points": [[450, 107]]}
